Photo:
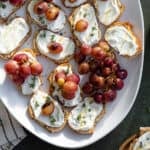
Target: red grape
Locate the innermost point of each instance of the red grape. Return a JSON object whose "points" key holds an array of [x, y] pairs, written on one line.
{"points": [[21, 58], [119, 84], [11, 67], [106, 71], [98, 53], [122, 74], [108, 61], [36, 68], [79, 57], [59, 75], [68, 96], [17, 79], [88, 88], [109, 95], [25, 70], [98, 97], [85, 49], [74, 78], [16, 2], [84, 68], [55, 48], [70, 87]]}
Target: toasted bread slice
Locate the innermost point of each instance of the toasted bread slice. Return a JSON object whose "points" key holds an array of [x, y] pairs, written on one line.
{"points": [[20, 30], [121, 37], [108, 11], [55, 25], [76, 3], [136, 140], [92, 34], [44, 37], [7, 9], [31, 83], [83, 118], [54, 122], [56, 91]]}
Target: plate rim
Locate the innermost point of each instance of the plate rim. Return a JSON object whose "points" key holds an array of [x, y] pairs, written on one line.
{"points": [[125, 114]]}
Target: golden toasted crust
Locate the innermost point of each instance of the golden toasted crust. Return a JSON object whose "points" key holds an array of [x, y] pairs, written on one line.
{"points": [[63, 1], [35, 21], [122, 8], [91, 131], [130, 142], [50, 129], [129, 27], [58, 62], [7, 56]]}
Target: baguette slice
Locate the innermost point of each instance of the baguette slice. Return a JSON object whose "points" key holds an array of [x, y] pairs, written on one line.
{"points": [[32, 83], [57, 25], [108, 11], [44, 37], [77, 3], [83, 118], [121, 37], [92, 34], [56, 121], [13, 35], [139, 141], [55, 90], [7, 9]]}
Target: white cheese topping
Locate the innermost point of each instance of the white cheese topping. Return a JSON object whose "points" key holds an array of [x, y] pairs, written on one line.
{"points": [[11, 35], [84, 115], [56, 119], [55, 26], [57, 94], [74, 4], [121, 40], [92, 34], [143, 143], [108, 11], [6, 9], [31, 85], [45, 37]]}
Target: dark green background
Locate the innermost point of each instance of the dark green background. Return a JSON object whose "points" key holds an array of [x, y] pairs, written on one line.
{"points": [[138, 116]]}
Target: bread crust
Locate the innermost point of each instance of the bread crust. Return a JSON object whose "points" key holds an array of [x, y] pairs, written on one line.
{"points": [[7, 56], [129, 143], [122, 8], [58, 62], [42, 124], [91, 131], [129, 27]]}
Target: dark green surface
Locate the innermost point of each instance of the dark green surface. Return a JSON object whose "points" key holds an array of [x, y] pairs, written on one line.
{"points": [[138, 116]]}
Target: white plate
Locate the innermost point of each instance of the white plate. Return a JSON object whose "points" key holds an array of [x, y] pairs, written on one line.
{"points": [[116, 111]]}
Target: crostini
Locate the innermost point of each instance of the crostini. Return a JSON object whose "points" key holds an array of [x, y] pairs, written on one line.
{"points": [[13, 35], [47, 112], [121, 37], [64, 86], [24, 70], [108, 11], [46, 15], [83, 118], [73, 3], [8, 7], [56, 47], [139, 141], [84, 25]]}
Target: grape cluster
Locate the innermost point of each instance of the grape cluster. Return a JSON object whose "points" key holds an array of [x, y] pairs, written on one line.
{"points": [[105, 74]]}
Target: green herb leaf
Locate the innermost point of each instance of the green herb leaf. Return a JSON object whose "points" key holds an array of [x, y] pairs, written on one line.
{"points": [[47, 99], [93, 28], [43, 35], [32, 85], [79, 117], [2, 5], [53, 38], [52, 120], [36, 105]]}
